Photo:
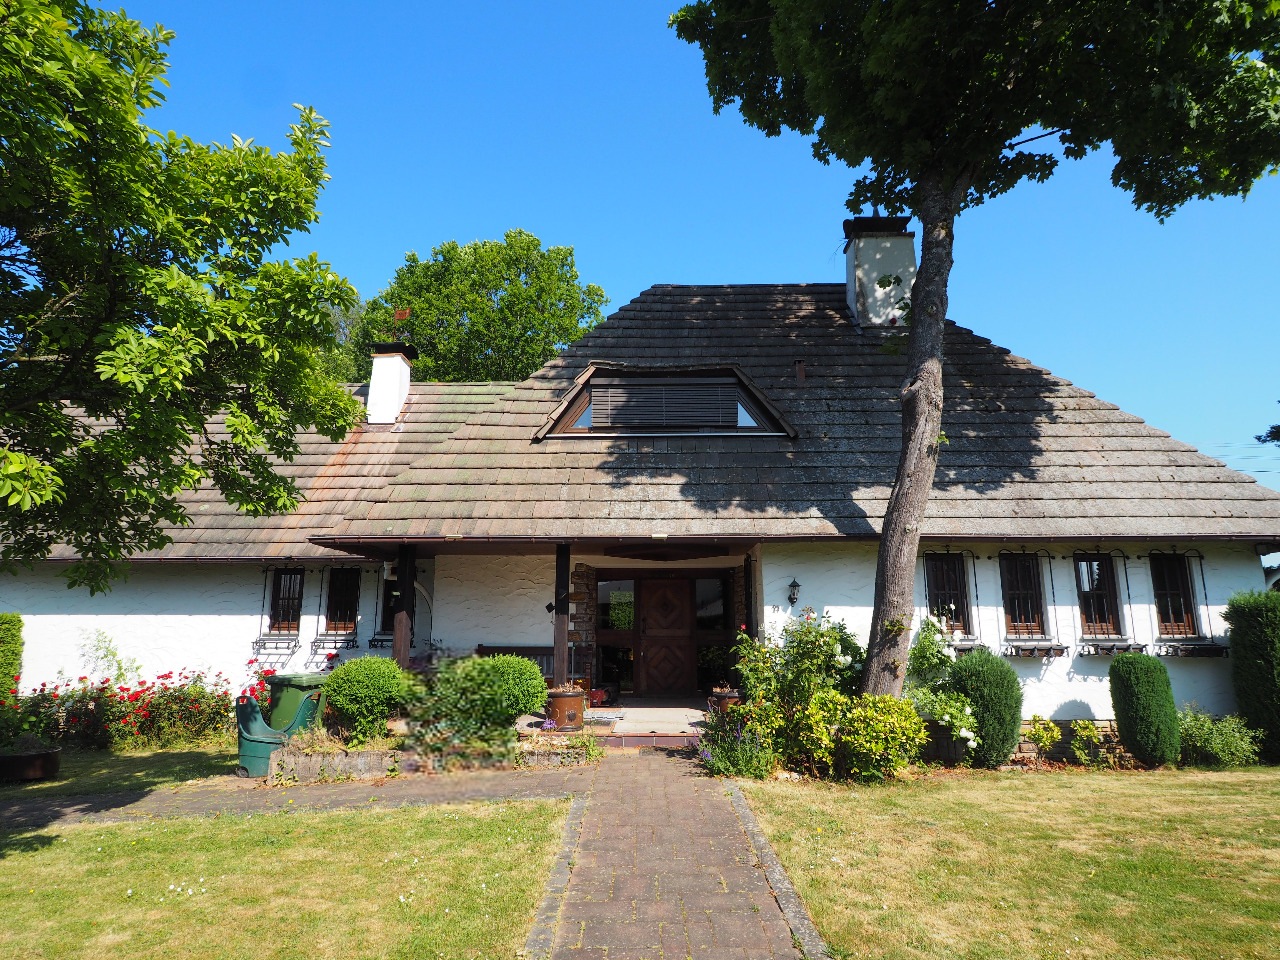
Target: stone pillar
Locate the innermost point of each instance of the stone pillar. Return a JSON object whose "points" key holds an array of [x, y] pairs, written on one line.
{"points": [[560, 635], [582, 626]]}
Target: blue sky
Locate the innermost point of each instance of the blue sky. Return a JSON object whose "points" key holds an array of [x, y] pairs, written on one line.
{"points": [[588, 124]]}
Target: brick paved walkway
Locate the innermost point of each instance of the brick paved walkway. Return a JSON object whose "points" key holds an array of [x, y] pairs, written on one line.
{"points": [[664, 869]]}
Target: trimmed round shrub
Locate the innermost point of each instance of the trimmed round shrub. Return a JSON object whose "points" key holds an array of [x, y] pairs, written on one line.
{"points": [[365, 692], [520, 681], [470, 702], [1254, 619], [992, 687], [1146, 716]]}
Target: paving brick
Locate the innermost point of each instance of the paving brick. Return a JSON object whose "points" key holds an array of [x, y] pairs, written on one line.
{"points": [[664, 869]]}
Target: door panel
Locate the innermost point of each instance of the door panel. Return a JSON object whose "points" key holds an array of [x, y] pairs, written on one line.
{"points": [[668, 656]]}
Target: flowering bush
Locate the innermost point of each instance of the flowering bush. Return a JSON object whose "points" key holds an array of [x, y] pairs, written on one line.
{"points": [[728, 747], [951, 710], [172, 709]]}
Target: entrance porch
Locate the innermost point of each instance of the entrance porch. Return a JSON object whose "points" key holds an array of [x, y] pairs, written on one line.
{"points": [[639, 722]]}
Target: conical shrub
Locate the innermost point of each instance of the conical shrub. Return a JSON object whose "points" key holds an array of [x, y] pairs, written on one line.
{"points": [[1146, 717], [992, 687]]}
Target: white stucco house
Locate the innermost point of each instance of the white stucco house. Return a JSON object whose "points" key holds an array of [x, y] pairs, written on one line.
{"points": [[709, 457]]}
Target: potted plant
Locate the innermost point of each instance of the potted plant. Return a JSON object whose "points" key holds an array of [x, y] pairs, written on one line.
{"points": [[566, 706], [722, 698], [23, 755]]}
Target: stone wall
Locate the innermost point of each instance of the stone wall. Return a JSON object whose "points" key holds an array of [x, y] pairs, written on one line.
{"points": [[582, 618], [739, 598]]}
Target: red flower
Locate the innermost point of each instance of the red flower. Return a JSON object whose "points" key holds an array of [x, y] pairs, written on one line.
{"points": [[81, 679], [13, 689], [268, 673]]}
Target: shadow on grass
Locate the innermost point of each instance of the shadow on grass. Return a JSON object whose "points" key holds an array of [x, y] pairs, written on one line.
{"points": [[95, 781]]}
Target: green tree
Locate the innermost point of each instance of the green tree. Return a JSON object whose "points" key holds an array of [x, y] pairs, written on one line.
{"points": [[944, 104], [487, 310], [138, 303]]}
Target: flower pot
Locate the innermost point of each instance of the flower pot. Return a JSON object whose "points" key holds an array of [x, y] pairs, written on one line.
{"points": [[722, 701], [566, 708], [33, 765]]}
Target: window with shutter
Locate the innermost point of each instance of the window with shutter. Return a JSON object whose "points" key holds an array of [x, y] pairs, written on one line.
{"points": [[649, 403]]}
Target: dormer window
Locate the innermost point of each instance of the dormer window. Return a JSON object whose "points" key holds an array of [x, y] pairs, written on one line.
{"points": [[614, 401]]}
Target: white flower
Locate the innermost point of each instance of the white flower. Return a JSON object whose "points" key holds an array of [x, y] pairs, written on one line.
{"points": [[128, 893], [972, 744], [969, 710], [966, 733]]}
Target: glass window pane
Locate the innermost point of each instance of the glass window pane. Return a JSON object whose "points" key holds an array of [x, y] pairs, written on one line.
{"points": [[616, 604], [712, 610]]}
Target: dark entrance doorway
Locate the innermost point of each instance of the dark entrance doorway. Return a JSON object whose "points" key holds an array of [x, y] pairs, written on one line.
{"points": [[653, 629]]}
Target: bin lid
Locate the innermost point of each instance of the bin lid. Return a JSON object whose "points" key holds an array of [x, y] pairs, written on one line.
{"points": [[303, 680]]}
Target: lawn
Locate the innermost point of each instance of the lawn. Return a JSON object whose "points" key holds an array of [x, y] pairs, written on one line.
{"points": [[1067, 865], [102, 771], [450, 881]]}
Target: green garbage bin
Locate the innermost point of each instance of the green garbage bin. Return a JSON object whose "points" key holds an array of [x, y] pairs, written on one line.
{"points": [[287, 693]]}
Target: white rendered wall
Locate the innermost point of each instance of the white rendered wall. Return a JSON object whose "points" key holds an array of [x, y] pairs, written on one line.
{"points": [[498, 601], [839, 580], [172, 616]]}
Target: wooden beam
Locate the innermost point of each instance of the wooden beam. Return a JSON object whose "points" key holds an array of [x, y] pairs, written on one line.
{"points": [[406, 574], [560, 634]]}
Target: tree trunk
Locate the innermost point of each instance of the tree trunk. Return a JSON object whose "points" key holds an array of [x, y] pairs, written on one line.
{"points": [[921, 394]]}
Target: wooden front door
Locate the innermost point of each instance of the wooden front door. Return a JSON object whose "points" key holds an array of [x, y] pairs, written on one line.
{"points": [[668, 658]]}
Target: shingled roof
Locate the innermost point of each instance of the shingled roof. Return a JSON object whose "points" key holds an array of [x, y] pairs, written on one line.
{"points": [[1028, 455], [331, 477]]}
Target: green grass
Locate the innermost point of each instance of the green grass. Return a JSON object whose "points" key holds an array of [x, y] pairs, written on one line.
{"points": [[311, 886], [1121, 866], [102, 771]]}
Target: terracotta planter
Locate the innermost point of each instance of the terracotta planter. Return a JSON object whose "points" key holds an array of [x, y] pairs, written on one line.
{"points": [[720, 702], [36, 765], [566, 708]]}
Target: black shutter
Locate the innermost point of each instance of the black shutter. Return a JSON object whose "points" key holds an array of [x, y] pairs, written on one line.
{"points": [[690, 404]]}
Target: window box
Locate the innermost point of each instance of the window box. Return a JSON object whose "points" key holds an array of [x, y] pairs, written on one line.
{"points": [[334, 641], [964, 645], [276, 642], [1109, 648], [1192, 648], [1044, 649], [383, 641]]}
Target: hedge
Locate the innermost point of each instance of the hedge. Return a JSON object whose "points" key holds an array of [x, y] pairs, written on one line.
{"points": [[1146, 716], [1254, 619], [10, 651]]}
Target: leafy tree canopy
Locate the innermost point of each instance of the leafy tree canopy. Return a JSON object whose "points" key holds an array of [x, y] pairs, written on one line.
{"points": [[944, 103], [138, 302], [488, 310]]}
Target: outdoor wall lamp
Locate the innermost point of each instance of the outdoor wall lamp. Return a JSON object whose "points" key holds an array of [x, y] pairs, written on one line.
{"points": [[794, 593]]}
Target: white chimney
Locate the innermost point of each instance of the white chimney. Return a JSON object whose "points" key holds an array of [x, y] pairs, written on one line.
{"points": [[878, 247], [389, 381]]}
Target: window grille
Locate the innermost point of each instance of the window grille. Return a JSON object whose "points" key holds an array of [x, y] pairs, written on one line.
{"points": [[1099, 601], [286, 600], [1175, 605], [1022, 595], [343, 603], [947, 591]]}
